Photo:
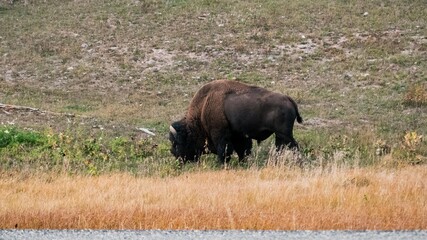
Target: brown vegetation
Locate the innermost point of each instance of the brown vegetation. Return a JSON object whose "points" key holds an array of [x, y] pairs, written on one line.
{"points": [[336, 198]]}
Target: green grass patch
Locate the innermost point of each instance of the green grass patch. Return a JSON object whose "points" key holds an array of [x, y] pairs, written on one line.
{"points": [[10, 136]]}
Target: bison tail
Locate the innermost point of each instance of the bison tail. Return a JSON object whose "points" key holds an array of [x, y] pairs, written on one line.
{"points": [[299, 118]]}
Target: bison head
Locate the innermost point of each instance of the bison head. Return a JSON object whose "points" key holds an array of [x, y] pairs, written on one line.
{"points": [[182, 143]]}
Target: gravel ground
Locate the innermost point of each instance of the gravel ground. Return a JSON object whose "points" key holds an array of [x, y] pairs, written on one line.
{"points": [[206, 235]]}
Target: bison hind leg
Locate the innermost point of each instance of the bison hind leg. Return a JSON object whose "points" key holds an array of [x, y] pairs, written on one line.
{"points": [[286, 141]]}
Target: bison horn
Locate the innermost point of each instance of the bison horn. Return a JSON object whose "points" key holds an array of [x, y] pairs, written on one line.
{"points": [[172, 130]]}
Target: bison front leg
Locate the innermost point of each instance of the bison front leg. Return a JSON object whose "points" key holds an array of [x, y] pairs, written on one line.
{"points": [[224, 152], [243, 146], [222, 141]]}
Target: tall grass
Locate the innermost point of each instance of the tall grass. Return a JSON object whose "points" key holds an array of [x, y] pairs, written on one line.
{"points": [[271, 198], [76, 152]]}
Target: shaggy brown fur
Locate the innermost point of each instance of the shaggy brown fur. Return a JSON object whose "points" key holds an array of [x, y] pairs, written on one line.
{"points": [[211, 115], [205, 120]]}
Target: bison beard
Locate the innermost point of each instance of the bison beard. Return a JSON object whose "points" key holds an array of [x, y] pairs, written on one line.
{"points": [[224, 116]]}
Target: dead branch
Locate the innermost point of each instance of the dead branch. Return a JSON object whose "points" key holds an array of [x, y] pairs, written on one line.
{"points": [[6, 108]]}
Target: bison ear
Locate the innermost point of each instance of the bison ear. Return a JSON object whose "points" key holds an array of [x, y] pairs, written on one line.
{"points": [[172, 130]]}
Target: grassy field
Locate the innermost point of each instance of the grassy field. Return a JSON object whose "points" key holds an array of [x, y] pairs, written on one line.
{"points": [[78, 79]]}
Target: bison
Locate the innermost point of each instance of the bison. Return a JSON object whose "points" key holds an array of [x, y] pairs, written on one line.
{"points": [[224, 116]]}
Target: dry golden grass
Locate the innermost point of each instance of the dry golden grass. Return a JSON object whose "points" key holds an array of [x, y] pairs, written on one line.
{"points": [[365, 198]]}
